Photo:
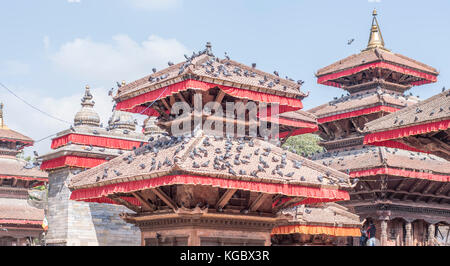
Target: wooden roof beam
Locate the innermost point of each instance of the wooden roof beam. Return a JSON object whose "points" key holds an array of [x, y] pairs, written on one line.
{"points": [[166, 199], [143, 201], [259, 201], [125, 203], [287, 204], [225, 198]]}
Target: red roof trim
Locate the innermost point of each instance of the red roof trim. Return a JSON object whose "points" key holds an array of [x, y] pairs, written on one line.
{"points": [[406, 131], [25, 178], [106, 142], [130, 104], [325, 194], [329, 78], [365, 111], [73, 161], [6, 221], [400, 172]]}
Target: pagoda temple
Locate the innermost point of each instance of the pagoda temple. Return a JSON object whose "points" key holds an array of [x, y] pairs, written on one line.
{"points": [[85, 145], [199, 188], [403, 190], [20, 222], [423, 126]]}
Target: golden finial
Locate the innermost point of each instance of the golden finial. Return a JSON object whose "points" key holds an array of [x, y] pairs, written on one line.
{"points": [[87, 87], [376, 38], [123, 83]]}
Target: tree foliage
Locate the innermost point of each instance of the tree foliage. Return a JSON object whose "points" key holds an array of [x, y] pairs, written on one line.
{"points": [[306, 144]]}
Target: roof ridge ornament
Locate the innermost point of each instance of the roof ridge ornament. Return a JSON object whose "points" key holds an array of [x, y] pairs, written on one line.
{"points": [[87, 115], [376, 38]]}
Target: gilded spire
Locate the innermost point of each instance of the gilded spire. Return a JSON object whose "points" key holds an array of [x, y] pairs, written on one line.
{"points": [[375, 38]]}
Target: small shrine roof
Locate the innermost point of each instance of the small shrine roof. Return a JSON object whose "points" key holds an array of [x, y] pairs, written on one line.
{"points": [[11, 167], [11, 135], [382, 157], [18, 211]]}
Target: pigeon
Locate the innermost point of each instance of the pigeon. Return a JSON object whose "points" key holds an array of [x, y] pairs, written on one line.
{"points": [[35, 153], [320, 178], [350, 41], [291, 174], [230, 170], [154, 70], [110, 92]]}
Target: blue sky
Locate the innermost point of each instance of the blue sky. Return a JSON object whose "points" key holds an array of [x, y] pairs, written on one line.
{"points": [[52, 48]]}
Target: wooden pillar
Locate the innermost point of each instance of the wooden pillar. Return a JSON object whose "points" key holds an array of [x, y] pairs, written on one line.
{"points": [[194, 239], [431, 232], [383, 236], [408, 237]]}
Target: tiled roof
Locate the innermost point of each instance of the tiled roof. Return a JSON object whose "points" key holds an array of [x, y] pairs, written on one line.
{"points": [[433, 109], [11, 134], [10, 166], [375, 55], [372, 157], [300, 115], [196, 156], [236, 75], [19, 209], [359, 101], [327, 214]]}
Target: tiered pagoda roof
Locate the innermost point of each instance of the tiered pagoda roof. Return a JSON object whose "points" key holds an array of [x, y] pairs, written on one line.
{"points": [[376, 80], [215, 79], [424, 126], [398, 181], [13, 168], [234, 180], [17, 217]]}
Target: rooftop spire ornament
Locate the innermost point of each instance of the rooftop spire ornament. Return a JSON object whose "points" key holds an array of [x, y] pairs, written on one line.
{"points": [[87, 115], [376, 38]]}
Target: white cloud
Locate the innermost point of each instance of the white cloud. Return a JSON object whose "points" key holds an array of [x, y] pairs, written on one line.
{"points": [[121, 59], [46, 41], [156, 4], [14, 67], [74, 1]]}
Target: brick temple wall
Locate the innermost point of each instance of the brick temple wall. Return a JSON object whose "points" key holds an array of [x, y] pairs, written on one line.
{"points": [[75, 223]]}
